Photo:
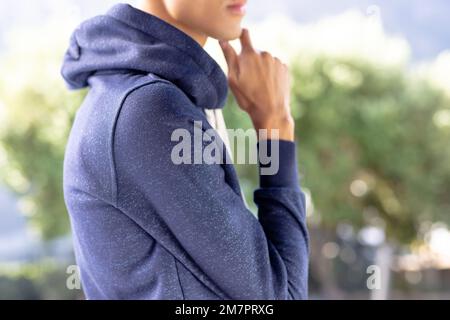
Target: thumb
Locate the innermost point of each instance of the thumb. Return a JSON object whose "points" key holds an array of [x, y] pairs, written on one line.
{"points": [[230, 56]]}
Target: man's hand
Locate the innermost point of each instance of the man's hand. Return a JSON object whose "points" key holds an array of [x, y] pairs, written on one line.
{"points": [[261, 85]]}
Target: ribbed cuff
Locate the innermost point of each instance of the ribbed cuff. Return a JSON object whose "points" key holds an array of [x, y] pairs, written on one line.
{"points": [[281, 171]]}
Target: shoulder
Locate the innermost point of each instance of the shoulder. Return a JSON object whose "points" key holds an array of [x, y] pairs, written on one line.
{"points": [[150, 114], [158, 100]]}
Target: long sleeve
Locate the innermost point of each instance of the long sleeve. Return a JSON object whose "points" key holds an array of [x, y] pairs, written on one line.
{"points": [[281, 212], [244, 256]]}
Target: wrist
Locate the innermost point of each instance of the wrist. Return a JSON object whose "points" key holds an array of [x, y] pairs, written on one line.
{"points": [[281, 128]]}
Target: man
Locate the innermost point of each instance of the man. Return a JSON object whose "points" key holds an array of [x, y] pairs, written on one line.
{"points": [[145, 227]]}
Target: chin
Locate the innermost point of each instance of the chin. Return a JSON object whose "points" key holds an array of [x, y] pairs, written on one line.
{"points": [[230, 34]]}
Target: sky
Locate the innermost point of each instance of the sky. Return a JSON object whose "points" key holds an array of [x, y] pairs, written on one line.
{"points": [[424, 24]]}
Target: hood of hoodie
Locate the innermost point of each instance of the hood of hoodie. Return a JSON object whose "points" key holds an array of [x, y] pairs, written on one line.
{"points": [[127, 39]]}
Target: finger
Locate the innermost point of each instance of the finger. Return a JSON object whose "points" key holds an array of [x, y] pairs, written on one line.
{"points": [[246, 41], [231, 56], [240, 98]]}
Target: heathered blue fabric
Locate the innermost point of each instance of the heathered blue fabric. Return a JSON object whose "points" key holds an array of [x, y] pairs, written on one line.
{"points": [[143, 227]]}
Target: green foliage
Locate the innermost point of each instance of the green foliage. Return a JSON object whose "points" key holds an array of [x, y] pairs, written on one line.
{"points": [[371, 147], [36, 118], [371, 150]]}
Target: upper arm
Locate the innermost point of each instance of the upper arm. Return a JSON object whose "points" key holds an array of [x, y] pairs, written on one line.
{"points": [[192, 203]]}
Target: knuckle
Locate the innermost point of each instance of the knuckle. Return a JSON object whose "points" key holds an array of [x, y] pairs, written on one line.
{"points": [[266, 55], [281, 63]]}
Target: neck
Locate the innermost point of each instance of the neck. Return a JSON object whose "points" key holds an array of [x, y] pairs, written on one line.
{"points": [[158, 9]]}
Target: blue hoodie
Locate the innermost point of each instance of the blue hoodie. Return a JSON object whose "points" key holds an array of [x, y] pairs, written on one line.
{"points": [[143, 226]]}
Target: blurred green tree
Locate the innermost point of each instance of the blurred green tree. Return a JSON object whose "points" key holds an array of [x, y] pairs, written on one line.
{"points": [[36, 113], [374, 141], [374, 145]]}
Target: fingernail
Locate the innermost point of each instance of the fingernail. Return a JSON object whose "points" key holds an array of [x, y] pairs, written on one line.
{"points": [[223, 43]]}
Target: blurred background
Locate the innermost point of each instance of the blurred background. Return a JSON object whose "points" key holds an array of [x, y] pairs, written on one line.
{"points": [[371, 100]]}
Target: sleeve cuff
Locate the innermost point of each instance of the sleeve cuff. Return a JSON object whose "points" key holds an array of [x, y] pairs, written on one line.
{"points": [[277, 164]]}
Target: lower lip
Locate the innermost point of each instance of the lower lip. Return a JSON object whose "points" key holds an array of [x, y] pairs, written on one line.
{"points": [[237, 9]]}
